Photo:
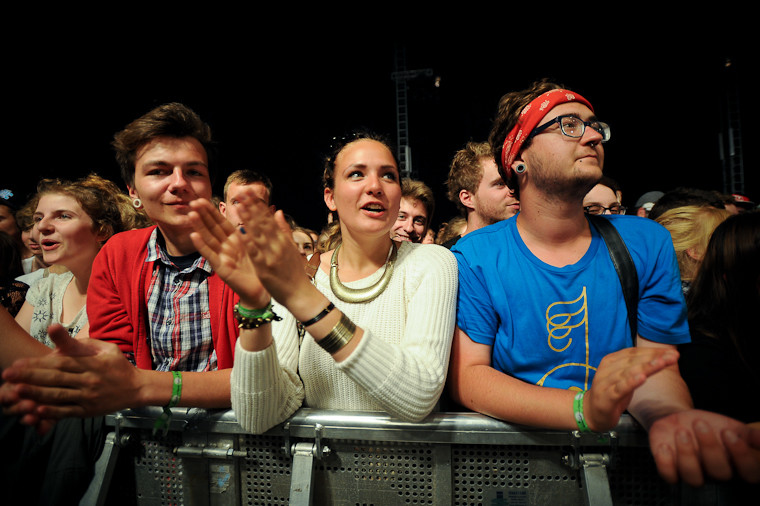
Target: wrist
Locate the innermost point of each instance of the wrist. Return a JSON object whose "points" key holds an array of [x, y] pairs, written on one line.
{"points": [[254, 318], [255, 303], [578, 413], [307, 305]]}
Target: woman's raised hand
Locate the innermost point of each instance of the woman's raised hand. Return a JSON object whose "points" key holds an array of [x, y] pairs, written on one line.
{"points": [[269, 242], [222, 245]]}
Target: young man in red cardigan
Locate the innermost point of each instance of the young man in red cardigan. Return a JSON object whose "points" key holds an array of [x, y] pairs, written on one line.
{"points": [[151, 293]]}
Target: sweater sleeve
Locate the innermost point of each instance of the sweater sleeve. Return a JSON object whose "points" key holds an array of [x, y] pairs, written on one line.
{"points": [[106, 310], [407, 379], [265, 385]]}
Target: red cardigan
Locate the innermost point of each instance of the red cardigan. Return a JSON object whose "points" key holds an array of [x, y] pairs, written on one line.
{"points": [[116, 300]]}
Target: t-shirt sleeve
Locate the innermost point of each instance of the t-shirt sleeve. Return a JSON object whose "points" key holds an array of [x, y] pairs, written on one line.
{"points": [[662, 315], [476, 315]]}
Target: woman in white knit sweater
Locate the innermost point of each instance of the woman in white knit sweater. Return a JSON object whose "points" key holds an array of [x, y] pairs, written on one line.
{"points": [[378, 327]]}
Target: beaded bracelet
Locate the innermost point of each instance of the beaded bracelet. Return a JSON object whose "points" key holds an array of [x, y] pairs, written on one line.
{"points": [[339, 336], [578, 412], [162, 423], [254, 318], [321, 315]]}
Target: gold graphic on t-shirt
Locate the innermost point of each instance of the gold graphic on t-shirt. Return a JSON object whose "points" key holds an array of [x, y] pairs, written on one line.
{"points": [[561, 319]]}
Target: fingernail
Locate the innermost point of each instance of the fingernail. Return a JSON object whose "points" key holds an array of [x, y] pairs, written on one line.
{"points": [[730, 436], [701, 426], [682, 436]]}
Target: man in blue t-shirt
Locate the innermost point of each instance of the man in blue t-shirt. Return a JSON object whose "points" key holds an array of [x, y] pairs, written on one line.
{"points": [[543, 336]]}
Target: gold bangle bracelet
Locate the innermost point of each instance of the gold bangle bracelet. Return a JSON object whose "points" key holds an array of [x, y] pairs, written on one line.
{"points": [[340, 335]]}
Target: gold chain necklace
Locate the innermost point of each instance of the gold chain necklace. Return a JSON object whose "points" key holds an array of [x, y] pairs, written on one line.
{"points": [[355, 295]]}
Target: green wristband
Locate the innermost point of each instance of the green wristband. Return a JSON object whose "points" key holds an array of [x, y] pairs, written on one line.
{"points": [[254, 313], [578, 412], [162, 422]]}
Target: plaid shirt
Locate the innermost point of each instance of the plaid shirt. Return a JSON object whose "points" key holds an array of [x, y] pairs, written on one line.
{"points": [[178, 312]]}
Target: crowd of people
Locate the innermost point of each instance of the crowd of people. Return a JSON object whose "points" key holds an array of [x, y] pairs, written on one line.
{"points": [[167, 295]]}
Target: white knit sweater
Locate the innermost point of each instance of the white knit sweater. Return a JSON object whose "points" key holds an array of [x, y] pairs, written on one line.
{"points": [[399, 366]]}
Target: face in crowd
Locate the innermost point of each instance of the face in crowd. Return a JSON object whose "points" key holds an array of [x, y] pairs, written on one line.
{"points": [[366, 192], [229, 208], [493, 200], [412, 222], [66, 233], [601, 199], [169, 174]]}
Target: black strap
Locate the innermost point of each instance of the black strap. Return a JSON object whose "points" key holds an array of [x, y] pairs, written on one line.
{"points": [[621, 259]]}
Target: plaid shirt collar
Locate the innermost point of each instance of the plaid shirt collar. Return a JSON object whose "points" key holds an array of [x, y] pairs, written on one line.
{"points": [[157, 251]]}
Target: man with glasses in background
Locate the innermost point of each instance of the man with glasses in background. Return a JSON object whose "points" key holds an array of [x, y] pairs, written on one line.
{"points": [[543, 336], [602, 198]]}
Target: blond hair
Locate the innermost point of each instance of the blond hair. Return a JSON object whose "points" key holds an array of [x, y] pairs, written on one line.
{"points": [[691, 228]]}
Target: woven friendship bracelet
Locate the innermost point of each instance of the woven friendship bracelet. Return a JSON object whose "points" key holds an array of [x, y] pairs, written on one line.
{"points": [[162, 422], [578, 412]]}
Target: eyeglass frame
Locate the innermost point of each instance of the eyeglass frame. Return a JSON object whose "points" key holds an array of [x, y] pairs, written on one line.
{"points": [[604, 127], [621, 209]]}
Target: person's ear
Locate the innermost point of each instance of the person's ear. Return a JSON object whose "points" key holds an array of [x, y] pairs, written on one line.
{"points": [[330, 199], [465, 197]]}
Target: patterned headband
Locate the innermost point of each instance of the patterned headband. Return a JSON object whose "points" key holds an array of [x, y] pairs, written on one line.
{"points": [[529, 119]]}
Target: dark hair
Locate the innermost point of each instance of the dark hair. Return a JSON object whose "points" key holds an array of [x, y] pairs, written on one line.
{"points": [[168, 120], [339, 143], [10, 257], [24, 216], [508, 112], [682, 196], [724, 297]]}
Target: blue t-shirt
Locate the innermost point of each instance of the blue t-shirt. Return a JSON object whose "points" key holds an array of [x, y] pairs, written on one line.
{"points": [[551, 326]]}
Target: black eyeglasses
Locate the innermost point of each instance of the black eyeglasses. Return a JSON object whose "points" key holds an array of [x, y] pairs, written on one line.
{"points": [[575, 127], [598, 209]]}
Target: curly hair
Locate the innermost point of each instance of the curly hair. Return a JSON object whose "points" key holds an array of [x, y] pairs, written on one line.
{"points": [[98, 197]]}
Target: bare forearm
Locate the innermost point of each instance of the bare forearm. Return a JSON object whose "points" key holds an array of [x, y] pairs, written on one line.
{"points": [[486, 390], [199, 389], [16, 342], [662, 394]]}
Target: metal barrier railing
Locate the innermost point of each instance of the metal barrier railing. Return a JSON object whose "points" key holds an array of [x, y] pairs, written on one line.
{"points": [[328, 457]]}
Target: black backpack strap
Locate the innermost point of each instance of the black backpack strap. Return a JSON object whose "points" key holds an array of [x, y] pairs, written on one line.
{"points": [[621, 259]]}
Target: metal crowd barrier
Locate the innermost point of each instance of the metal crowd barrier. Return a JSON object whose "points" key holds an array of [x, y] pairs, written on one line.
{"points": [[360, 458]]}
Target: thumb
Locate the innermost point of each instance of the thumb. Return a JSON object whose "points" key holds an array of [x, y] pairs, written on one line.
{"points": [[67, 345]]}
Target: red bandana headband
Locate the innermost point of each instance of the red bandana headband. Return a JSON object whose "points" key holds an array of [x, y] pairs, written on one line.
{"points": [[529, 119]]}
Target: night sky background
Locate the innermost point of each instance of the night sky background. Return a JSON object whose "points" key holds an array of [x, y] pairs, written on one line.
{"points": [[274, 98]]}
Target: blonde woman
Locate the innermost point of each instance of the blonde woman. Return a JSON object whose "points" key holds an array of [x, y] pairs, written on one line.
{"points": [[691, 228]]}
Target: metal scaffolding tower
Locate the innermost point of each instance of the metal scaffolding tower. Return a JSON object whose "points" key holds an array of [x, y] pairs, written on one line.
{"points": [[401, 75], [730, 139]]}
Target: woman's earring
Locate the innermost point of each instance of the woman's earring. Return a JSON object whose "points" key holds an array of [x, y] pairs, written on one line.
{"points": [[520, 168], [137, 203]]}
